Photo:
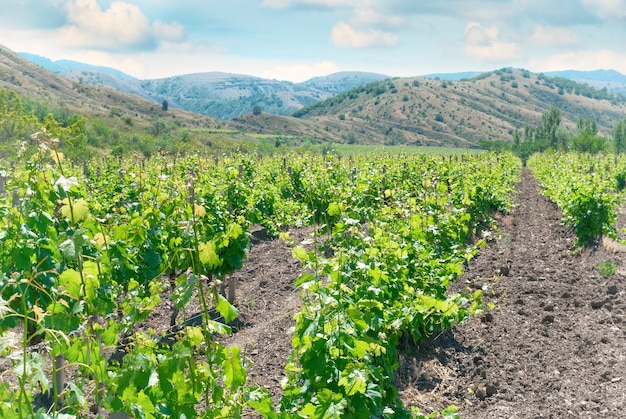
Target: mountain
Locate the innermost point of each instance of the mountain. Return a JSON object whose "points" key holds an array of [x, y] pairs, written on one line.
{"points": [[453, 76], [410, 111], [69, 66], [342, 81], [611, 80], [50, 92], [491, 106], [219, 95], [226, 96], [605, 76]]}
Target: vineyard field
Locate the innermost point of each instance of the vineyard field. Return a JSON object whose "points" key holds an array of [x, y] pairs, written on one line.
{"points": [[303, 285]]}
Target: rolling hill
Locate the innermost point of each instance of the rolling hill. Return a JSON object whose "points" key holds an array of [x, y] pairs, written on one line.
{"points": [[219, 95], [56, 92], [404, 111], [491, 106]]}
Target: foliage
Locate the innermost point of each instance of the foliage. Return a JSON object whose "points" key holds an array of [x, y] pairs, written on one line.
{"points": [[584, 187], [587, 139], [87, 253], [547, 128], [619, 137], [581, 89], [607, 269]]}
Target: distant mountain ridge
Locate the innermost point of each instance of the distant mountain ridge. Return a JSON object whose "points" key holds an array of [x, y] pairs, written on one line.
{"points": [[216, 94], [68, 66], [226, 96], [393, 111], [612, 80]]}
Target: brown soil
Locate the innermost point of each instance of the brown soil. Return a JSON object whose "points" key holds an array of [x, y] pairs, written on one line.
{"points": [[554, 346]]}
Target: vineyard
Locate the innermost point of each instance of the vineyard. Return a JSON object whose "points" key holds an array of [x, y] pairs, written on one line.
{"points": [[88, 253]]}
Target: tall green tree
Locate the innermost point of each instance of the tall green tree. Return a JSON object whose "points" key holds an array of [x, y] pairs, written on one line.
{"points": [[546, 130], [15, 122], [619, 137], [587, 139]]}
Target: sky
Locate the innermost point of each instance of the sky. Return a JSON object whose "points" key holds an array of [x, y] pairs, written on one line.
{"points": [[299, 39]]}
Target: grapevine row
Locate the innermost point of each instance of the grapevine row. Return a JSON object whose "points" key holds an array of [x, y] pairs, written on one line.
{"points": [[86, 253], [587, 188]]}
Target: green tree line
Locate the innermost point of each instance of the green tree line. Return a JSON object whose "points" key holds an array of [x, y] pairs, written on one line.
{"points": [[550, 134]]}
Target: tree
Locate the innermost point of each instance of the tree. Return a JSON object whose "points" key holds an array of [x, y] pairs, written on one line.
{"points": [[256, 111], [516, 138], [546, 130], [619, 137], [586, 125], [587, 139], [528, 133], [164, 106]]}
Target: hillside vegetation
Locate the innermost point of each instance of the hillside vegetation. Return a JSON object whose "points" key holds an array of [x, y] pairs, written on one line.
{"points": [[420, 111], [109, 121], [216, 94], [413, 111]]}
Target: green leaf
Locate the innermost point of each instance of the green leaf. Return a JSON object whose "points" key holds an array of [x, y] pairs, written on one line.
{"points": [[234, 231], [208, 256], [70, 280], [78, 394], [185, 286], [90, 275], [145, 405], [357, 318], [226, 309], [110, 335], [260, 400], [300, 253], [331, 406], [354, 381], [360, 348], [68, 249], [333, 209], [304, 279], [195, 336], [234, 373], [450, 412], [77, 211]]}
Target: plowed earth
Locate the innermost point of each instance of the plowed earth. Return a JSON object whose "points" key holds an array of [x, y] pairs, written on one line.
{"points": [[554, 346]]}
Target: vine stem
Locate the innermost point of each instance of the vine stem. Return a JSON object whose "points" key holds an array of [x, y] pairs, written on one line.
{"points": [[196, 266]]}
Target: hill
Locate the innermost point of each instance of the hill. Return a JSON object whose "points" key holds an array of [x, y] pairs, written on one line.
{"points": [[610, 80], [403, 111], [68, 66], [219, 95], [113, 118], [34, 82], [491, 106]]}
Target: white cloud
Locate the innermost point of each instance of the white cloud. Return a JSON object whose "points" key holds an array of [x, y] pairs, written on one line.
{"points": [[305, 4], [121, 26], [607, 8], [485, 44], [344, 35], [550, 36], [301, 72], [477, 35], [581, 60], [369, 18]]}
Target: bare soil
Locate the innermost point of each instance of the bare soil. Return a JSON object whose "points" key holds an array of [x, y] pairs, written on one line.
{"points": [[553, 346]]}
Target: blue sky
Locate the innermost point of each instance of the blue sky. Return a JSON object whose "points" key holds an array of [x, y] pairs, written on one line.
{"points": [[299, 39]]}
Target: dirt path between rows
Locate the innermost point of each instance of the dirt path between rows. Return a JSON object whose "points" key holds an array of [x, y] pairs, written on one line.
{"points": [[554, 346]]}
